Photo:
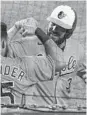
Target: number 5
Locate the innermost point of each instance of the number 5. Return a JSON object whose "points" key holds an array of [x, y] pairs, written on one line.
{"points": [[9, 94]]}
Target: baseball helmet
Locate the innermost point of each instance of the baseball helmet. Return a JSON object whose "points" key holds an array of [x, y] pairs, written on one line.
{"points": [[65, 17]]}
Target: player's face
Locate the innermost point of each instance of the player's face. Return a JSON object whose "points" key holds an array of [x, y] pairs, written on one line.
{"points": [[56, 32]]}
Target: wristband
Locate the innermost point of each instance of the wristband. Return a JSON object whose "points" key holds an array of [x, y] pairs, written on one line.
{"points": [[41, 35]]}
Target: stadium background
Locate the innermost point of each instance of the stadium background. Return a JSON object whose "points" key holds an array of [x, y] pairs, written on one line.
{"points": [[12, 11]]}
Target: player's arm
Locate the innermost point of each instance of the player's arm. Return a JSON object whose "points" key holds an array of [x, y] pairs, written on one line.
{"points": [[81, 72], [50, 46], [52, 49], [38, 68], [19, 25], [12, 32], [15, 29]]}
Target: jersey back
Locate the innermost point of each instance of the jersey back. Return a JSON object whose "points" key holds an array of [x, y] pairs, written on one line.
{"points": [[20, 76], [14, 83]]}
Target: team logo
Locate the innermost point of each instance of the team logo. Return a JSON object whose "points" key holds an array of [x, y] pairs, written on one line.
{"points": [[61, 15]]}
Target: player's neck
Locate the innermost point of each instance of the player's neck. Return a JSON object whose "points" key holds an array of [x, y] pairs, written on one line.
{"points": [[62, 45]]}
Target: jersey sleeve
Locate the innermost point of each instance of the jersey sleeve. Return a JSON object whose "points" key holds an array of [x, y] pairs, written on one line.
{"points": [[39, 68], [16, 49], [26, 47]]}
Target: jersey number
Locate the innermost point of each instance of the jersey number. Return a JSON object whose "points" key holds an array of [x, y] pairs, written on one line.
{"points": [[7, 85]]}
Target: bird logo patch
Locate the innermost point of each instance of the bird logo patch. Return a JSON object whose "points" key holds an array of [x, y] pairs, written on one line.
{"points": [[61, 15]]}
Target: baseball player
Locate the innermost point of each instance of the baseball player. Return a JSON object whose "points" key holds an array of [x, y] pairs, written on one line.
{"points": [[19, 74], [62, 23]]}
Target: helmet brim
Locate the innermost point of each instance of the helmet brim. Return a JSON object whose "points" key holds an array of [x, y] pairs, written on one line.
{"points": [[59, 22]]}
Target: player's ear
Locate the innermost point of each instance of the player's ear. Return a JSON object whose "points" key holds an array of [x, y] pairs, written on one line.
{"points": [[4, 48], [3, 44]]}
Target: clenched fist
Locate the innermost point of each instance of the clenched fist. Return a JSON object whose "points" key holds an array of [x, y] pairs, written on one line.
{"points": [[27, 26]]}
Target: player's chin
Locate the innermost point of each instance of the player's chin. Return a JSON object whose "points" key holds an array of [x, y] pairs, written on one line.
{"points": [[54, 38]]}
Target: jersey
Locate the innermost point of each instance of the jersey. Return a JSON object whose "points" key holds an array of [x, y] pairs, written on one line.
{"points": [[44, 93], [19, 75], [26, 46], [74, 58]]}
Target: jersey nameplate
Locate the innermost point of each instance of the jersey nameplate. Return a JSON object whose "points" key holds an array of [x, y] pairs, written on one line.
{"points": [[12, 71]]}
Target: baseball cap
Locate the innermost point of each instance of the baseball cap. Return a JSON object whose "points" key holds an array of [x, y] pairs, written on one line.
{"points": [[63, 16]]}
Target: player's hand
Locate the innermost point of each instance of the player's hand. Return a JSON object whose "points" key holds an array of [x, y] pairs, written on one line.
{"points": [[82, 73], [84, 78], [19, 24], [27, 26]]}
